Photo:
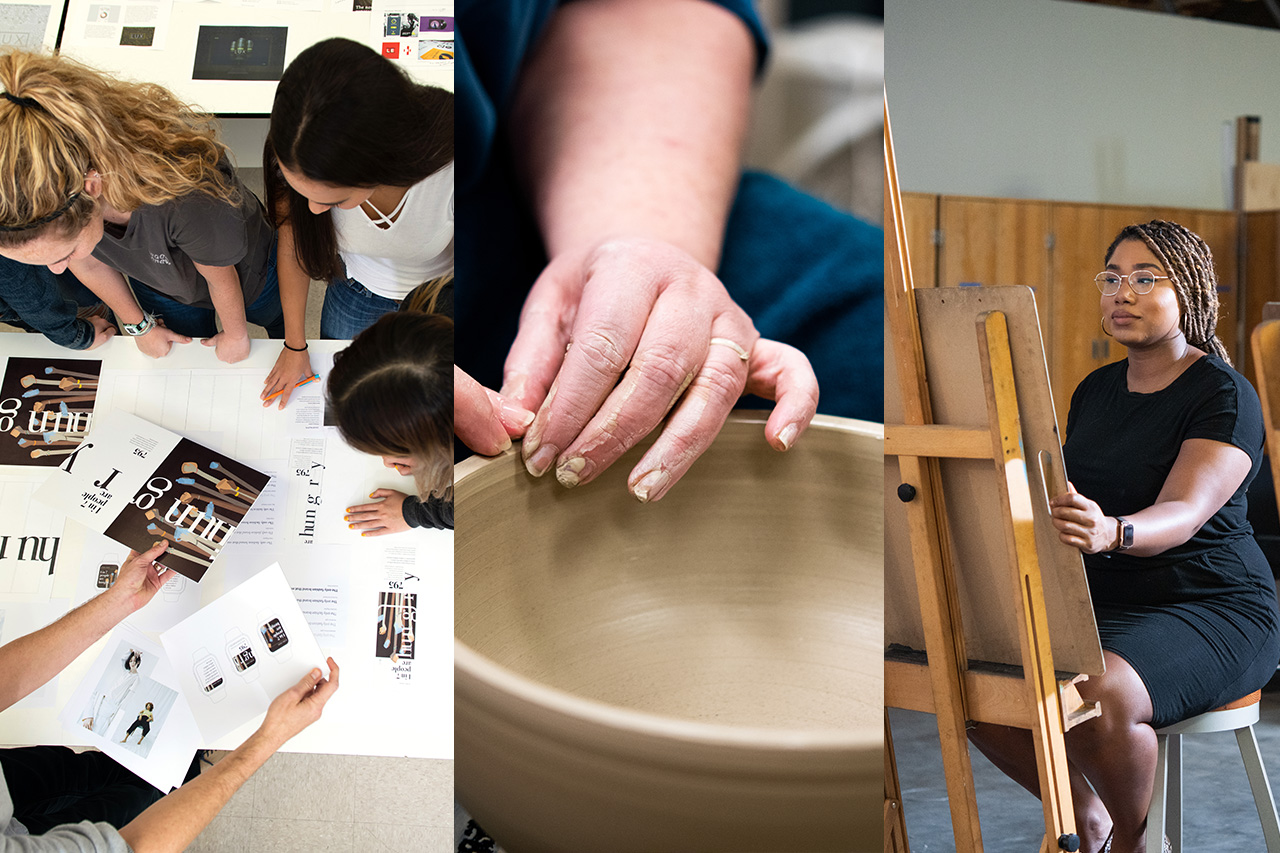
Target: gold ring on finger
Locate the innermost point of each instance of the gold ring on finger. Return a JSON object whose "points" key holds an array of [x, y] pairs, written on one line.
{"points": [[725, 342]]}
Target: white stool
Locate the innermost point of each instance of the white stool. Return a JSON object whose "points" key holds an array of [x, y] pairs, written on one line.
{"points": [[1165, 815]]}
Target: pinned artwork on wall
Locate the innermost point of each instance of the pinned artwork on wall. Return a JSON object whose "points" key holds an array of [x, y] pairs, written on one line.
{"points": [[46, 409], [140, 483]]}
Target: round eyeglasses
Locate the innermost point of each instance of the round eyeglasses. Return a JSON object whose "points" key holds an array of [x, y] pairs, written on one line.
{"points": [[1140, 281]]}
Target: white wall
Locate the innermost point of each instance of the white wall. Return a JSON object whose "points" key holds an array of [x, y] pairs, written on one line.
{"points": [[1041, 99]]}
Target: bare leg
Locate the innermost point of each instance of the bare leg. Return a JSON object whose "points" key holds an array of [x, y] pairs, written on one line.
{"points": [[1013, 752], [1117, 751]]}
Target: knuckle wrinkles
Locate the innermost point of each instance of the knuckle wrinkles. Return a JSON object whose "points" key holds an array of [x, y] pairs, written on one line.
{"points": [[721, 381], [601, 352]]}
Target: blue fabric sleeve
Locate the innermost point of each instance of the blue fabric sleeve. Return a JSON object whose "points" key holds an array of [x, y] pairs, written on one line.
{"points": [[31, 295]]}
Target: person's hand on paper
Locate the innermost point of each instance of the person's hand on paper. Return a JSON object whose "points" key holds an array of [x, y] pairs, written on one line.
{"points": [[298, 707], [139, 579], [291, 367], [483, 419], [158, 340], [378, 519], [229, 348]]}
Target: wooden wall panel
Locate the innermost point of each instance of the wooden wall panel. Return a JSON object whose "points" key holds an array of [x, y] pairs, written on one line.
{"points": [[920, 212], [1262, 274]]}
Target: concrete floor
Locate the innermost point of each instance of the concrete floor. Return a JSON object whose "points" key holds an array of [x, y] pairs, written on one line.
{"points": [[1219, 815]]}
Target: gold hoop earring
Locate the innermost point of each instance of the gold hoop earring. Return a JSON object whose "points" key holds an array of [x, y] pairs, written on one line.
{"points": [[1104, 328]]}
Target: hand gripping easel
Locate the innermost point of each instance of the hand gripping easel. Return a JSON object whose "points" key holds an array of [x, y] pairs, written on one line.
{"points": [[969, 613]]}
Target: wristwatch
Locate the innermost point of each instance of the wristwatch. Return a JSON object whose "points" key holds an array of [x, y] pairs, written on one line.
{"points": [[133, 330], [243, 661], [208, 675], [274, 636], [1124, 534]]}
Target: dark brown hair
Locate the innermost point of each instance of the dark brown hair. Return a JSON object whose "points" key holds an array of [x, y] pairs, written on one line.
{"points": [[391, 393], [1189, 263], [347, 116]]}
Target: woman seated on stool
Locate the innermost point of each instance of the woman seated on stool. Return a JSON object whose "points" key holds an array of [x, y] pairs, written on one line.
{"points": [[1161, 448]]}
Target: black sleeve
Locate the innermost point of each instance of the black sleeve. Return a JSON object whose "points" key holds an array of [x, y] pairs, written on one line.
{"points": [[433, 512]]}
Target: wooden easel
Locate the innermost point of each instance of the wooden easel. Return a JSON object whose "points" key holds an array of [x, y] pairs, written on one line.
{"points": [[978, 592]]}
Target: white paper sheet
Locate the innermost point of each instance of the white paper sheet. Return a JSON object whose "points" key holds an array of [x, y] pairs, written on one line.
{"points": [[113, 696], [234, 656]]}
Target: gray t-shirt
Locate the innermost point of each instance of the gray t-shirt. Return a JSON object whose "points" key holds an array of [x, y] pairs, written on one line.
{"points": [[161, 244], [83, 837]]}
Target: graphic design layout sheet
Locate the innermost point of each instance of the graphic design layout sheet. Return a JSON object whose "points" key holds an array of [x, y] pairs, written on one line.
{"points": [[140, 483], [382, 607], [129, 706]]}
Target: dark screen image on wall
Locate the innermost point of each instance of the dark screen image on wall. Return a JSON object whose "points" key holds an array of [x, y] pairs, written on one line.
{"points": [[240, 53]]}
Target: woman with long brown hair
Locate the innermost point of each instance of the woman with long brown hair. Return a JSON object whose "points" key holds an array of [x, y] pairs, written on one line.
{"points": [[359, 173]]}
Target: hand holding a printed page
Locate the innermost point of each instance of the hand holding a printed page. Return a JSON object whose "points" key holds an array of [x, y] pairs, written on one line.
{"points": [[298, 707], [139, 579], [174, 822]]}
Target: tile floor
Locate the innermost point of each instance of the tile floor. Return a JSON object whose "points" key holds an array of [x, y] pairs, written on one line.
{"points": [[338, 804], [1219, 815]]}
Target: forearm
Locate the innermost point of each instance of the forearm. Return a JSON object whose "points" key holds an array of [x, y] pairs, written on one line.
{"points": [[624, 124], [174, 822], [110, 286], [294, 285], [1158, 528], [29, 662], [228, 298]]}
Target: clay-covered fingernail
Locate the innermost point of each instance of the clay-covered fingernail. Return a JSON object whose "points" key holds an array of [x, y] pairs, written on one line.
{"points": [[651, 485], [569, 472], [541, 461], [788, 435]]}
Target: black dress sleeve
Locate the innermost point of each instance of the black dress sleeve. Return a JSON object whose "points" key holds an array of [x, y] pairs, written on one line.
{"points": [[433, 512], [1232, 414]]}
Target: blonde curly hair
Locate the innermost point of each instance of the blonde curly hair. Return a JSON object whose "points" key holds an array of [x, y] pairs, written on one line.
{"points": [[60, 119]]}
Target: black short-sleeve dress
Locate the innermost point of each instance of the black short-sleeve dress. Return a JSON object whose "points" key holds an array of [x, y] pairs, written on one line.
{"points": [[1199, 622]]}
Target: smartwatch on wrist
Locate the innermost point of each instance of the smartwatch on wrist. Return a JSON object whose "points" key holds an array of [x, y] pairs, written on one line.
{"points": [[1124, 534], [243, 660], [274, 636], [133, 330], [208, 675]]}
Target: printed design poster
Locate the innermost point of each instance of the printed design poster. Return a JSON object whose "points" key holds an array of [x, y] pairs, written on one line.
{"points": [[121, 23], [413, 32], [46, 408], [23, 26], [129, 706], [239, 653], [239, 53], [31, 535], [139, 483]]}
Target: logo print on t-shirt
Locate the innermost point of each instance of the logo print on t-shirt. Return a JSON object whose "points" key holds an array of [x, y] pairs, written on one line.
{"points": [[160, 259]]}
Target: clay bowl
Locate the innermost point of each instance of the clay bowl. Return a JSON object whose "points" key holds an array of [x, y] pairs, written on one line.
{"points": [[700, 673]]}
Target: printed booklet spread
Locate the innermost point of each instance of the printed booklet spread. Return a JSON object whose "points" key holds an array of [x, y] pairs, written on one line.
{"points": [[139, 483]]}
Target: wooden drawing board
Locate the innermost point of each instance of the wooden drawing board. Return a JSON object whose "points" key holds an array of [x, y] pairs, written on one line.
{"points": [[985, 581]]}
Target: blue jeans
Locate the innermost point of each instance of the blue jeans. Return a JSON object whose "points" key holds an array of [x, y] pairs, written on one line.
{"points": [[350, 308], [52, 785], [197, 322]]}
